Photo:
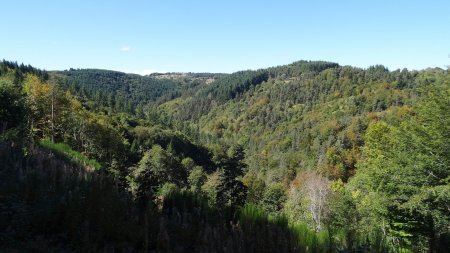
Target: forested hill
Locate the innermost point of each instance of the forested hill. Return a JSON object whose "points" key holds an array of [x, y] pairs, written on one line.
{"points": [[304, 157], [126, 92]]}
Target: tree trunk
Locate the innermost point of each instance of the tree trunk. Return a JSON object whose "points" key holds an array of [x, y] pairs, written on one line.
{"points": [[432, 243], [53, 116], [5, 124]]}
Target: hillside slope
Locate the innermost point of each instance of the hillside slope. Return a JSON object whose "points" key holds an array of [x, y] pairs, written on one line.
{"points": [[330, 156], [303, 116]]}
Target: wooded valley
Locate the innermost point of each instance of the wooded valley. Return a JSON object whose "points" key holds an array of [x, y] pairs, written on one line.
{"points": [[306, 157]]}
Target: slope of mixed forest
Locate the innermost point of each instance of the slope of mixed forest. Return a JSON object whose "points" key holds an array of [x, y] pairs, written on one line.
{"points": [[305, 157]]}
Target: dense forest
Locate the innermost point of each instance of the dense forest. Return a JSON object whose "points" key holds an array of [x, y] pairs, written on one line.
{"points": [[305, 157]]}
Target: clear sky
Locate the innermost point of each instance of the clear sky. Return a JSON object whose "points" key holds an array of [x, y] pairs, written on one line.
{"points": [[223, 36]]}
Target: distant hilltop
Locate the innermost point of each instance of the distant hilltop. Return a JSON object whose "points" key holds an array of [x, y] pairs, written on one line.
{"points": [[206, 77]]}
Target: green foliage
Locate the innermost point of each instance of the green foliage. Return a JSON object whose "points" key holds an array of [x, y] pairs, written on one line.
{"points": [[406, 168], [273, 198], [67, 152], [257, 225], [156, 168], [145, 137], [252, 217], [12, 108], [122, 92], [306, 115], [56, 207], [300, 67], [48, 204], [256, 188], [231, 86], [20, 70], [196, 178], [343, 222], [212, 186], [231, 190], [298, 133], [166, 190]]}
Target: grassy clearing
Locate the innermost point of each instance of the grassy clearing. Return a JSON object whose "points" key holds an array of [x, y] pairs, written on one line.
{"points": [[66, 151]]}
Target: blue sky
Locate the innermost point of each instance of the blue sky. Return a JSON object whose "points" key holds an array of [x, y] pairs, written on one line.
{"points": [[223, 36]]}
